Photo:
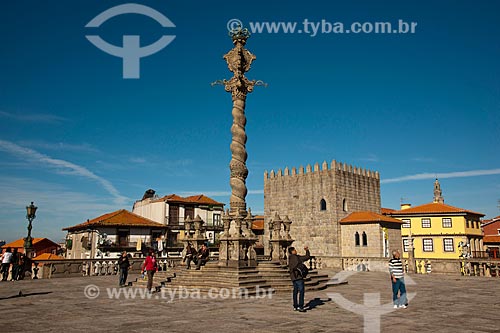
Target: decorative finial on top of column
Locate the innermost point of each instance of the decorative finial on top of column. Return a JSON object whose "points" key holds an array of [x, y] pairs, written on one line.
{"points": [[239, 33]]}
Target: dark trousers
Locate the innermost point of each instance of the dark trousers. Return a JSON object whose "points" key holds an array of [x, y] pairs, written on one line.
{"points": [[15, 272], [189, 259], [399, 287], [5, 271], [123, 276], [150, 279], [200, 262], [298, 290]]}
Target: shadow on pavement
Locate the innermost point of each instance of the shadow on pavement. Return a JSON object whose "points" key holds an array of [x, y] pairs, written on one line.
{"points": [[315, 302], [20, 294]]}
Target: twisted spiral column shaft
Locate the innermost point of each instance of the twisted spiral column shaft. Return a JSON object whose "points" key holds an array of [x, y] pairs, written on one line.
{"points": [[237, 166]]}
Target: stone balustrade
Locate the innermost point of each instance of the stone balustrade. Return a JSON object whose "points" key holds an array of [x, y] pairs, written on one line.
{"points": [[92, 267], [480, 267], [98, 267], [364, 264], [312, 263], [468, 267]]}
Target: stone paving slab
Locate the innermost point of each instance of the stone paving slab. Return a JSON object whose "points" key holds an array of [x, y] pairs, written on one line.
{"points": [[441, 303]]}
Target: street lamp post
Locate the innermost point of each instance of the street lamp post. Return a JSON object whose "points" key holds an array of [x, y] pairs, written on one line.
{"points": [[28, 241]]}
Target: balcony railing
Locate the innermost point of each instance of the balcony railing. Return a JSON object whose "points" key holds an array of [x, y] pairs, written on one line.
{"points": [[178, 223], [480, 254]]}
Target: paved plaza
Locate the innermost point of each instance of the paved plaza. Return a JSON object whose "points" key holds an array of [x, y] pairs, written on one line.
{"points": [[440, 303]]}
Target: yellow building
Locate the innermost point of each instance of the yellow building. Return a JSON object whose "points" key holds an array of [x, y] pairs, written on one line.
{"points": [[440, 231]]}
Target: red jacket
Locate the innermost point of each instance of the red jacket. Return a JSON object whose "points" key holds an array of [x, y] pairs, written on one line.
{"points": [[149, 264]]}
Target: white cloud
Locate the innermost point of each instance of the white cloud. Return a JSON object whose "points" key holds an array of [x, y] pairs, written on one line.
{"points": [[422, 176], [61, 167], [84, 147], [423, 159], [34, 117], [58, 207], [370, 158], [138, 160]]}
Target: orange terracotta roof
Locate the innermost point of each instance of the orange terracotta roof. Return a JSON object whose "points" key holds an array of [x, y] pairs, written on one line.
{"points": [[368, 217], [258, 222], [491, 239], [121, 217], [198, 199], [48, 256], [202, 199], [433, 208], [495, 219], [20, 243], [385, 211], [170, 197]]}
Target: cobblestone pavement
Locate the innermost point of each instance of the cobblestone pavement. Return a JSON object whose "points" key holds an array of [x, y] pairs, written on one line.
{"points": [[440, 303]]}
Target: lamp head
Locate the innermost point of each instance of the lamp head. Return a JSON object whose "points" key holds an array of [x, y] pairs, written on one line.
{"points": [[31, 211]]}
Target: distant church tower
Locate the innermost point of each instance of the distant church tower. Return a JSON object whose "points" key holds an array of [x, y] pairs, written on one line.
{"points": [[438, 194]]}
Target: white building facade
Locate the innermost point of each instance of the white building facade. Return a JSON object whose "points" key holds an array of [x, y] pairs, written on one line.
{"points": [[172, 210]]}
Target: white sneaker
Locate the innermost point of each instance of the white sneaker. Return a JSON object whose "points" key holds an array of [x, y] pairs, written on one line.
{"points": [[395, 306], [402, 306]]}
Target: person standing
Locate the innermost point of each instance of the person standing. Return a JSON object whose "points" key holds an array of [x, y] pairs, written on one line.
{"points": [[124, 265], [16, 258], [398, 281], [6, 260], [295, 260], [150, 266]]}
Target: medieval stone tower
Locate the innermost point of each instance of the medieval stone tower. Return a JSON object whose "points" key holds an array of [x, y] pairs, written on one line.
{"points": [[316, 200]]}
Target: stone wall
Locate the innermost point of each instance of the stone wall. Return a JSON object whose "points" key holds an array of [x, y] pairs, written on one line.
{"points": [[298, 194], [373, 233], [395, 241]]}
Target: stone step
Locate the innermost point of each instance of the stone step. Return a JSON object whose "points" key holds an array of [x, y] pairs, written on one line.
{"points": [[219, 281], [214, 273], [265, 275]]}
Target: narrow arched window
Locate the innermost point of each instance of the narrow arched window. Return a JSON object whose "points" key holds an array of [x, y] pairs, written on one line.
{"points": [[344, 205], [322, 204], [356, 238], [365, 239]]}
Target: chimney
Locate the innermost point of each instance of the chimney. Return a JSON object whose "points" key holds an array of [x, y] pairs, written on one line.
{"points": [[405, 206]]}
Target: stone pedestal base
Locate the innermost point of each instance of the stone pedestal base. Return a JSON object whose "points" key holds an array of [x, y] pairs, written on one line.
{"points": [[237, 252], [279, 250]]}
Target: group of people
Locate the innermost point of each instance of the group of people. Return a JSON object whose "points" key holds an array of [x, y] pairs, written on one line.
{"points": [[395, 269], [198, 257], [150, 266], [14, 259]]}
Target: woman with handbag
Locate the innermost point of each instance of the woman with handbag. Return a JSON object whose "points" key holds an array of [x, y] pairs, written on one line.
{"points": [[150, 266]]}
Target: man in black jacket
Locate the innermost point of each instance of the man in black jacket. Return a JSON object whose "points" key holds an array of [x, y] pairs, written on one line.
{"points": [[124, 265], [203, 254], [298, 282]]}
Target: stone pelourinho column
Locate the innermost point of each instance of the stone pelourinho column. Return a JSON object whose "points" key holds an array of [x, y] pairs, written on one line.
{"points": [[238, 60], [237, 242]]}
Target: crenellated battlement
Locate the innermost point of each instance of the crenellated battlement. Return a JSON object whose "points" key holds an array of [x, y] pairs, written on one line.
{"points": [[333, 167]]}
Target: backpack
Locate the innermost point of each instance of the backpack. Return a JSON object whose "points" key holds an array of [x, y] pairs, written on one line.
{"points": [[302, 270]]}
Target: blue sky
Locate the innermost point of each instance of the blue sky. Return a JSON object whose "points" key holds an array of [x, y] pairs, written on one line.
{"points": [[79, 140]]}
